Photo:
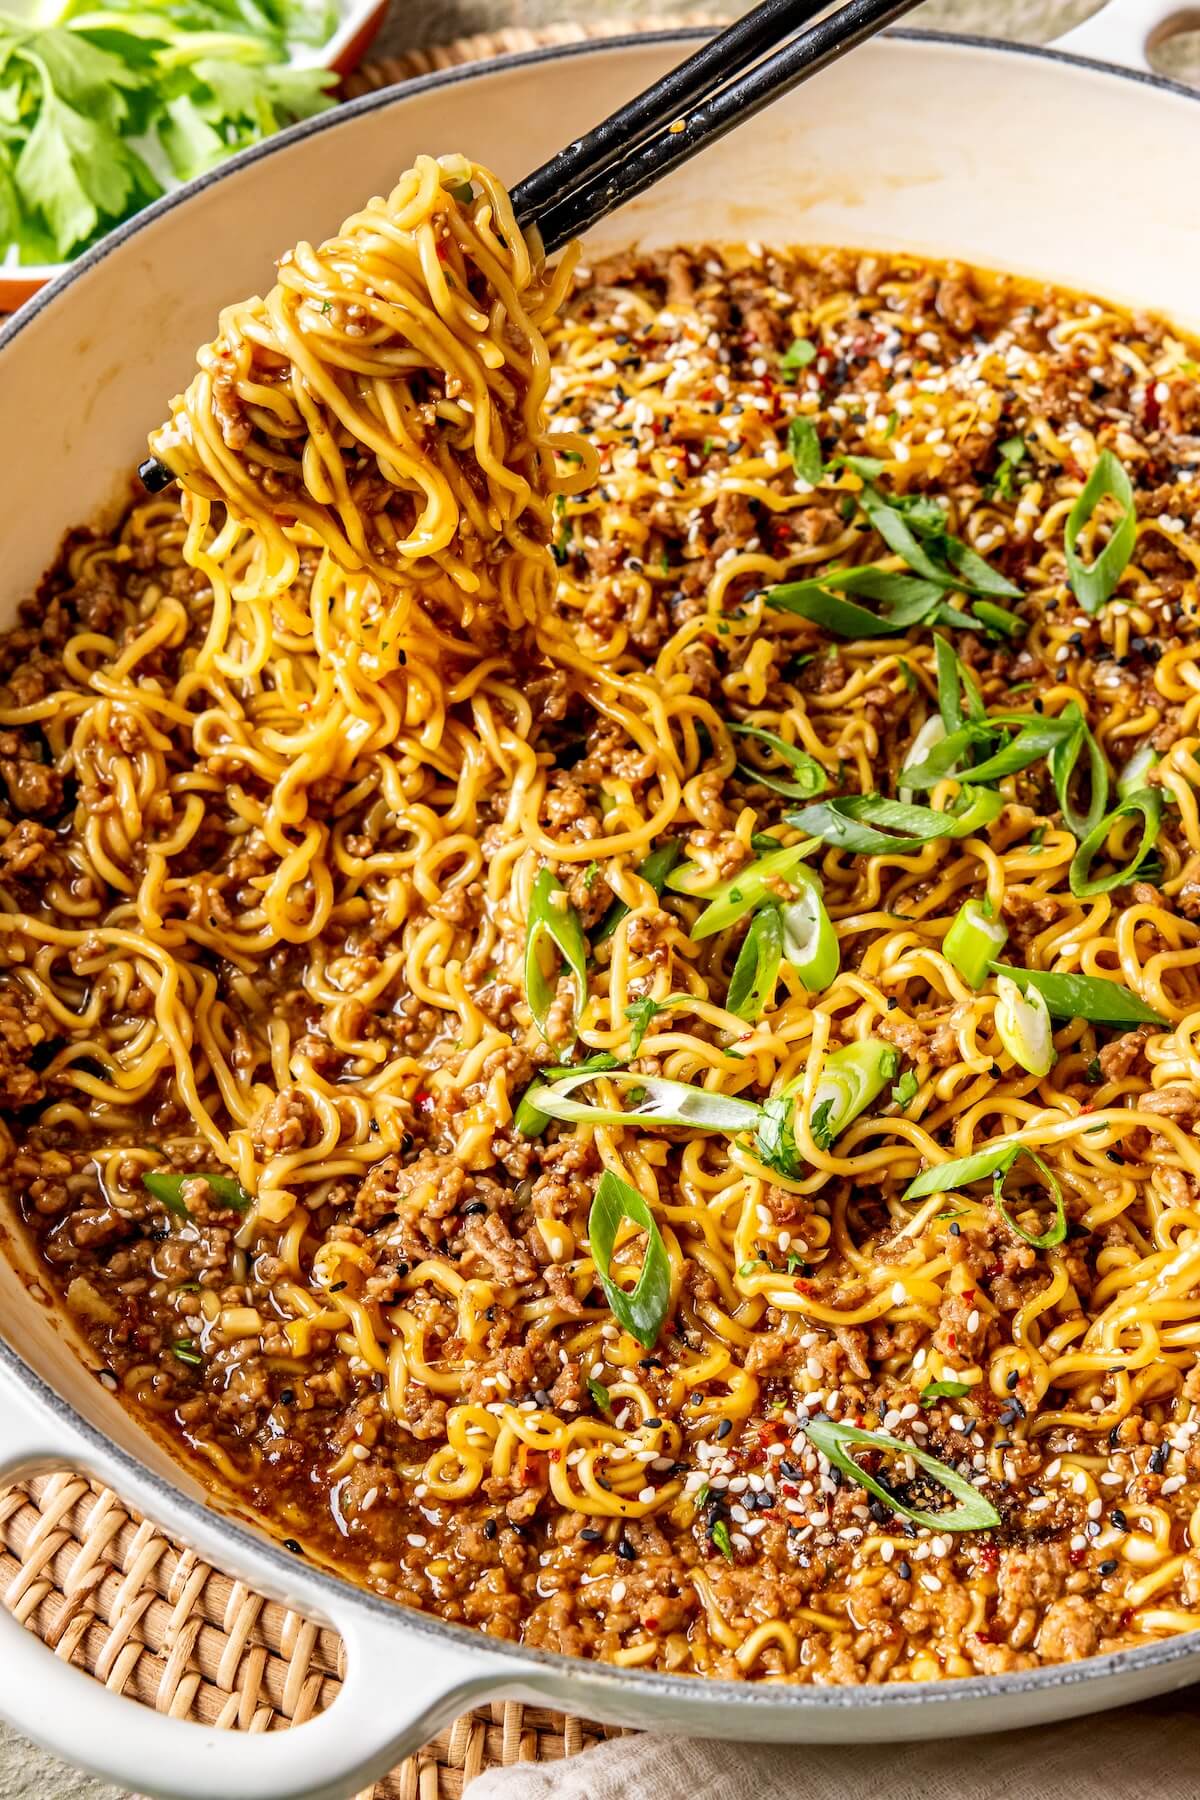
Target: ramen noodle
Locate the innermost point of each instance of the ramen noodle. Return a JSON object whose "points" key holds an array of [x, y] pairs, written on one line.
{"points": [[600, 953]]}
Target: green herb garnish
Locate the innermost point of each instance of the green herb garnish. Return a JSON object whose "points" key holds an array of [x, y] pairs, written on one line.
{"points": [[167, 1188], [799, 353], [642, 1310], [943, 1390], [553, 923], [805, 448], [835, 1442], [1093, 583], [997, 1160]]}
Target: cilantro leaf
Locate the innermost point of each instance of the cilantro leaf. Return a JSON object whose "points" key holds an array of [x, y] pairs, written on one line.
{"points": [[906, 1089], [822, 1134], [639, 1013]]}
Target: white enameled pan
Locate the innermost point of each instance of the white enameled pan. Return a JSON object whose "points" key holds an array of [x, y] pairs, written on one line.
{"points": [[1046, 162]]}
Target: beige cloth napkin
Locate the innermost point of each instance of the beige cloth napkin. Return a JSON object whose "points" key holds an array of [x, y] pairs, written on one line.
{"points": [[1149, 1752]]}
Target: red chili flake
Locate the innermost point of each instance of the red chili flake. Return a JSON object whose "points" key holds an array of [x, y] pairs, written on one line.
{"points": [[443, 250], [1076, 1557], [422, 1100], [988, 1558], [789, 1488], [555, 1455], [983, 1637], [1151, 410], [650, 1624], [951, 1340]]}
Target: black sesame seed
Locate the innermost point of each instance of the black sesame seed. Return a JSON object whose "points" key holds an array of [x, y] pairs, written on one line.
{"points": [[652, 1424], [955, 1229], [1012, 1380], [649, 1362], [489, 1529], [904, 1571], [542, 1397], [1158, 1459], [286, 1396], [336, 1287], [590, 1535], [788, 1470], [293, 1546], [1109, 1566], [625, 1550], [1118, 1518], [724, 1429], [476, 1206]]}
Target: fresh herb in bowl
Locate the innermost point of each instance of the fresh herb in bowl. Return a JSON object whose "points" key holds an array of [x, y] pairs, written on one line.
{"points": [[101, 110]]}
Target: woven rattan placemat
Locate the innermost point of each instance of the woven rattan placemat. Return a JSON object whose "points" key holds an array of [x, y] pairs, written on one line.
{"points": [[108, 1591]]}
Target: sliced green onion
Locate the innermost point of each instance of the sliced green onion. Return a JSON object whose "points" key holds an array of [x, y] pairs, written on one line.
{"points": [[553, 920], [641, 1310], [835, 1441], [1148, 802], [869, 825], [959, 699], [1012, 452], [733, 899], [527, 1119], [810, 942], [639, 1013], [1030, 745], [997, 1161], [1089, 997], [1023, 1025], [775, 1137], [973, 941], [756, 971], [654, 869], [906, 602], [1133, 776], [167, 1189], [1061, 762], [849, 1081], [798, 355], [805, 448], [998, 618], [943, 1390], [1093, 583], [811, 778], [947, 560], [185, 1350], [719, 1533], [930, 735], [657, 1102]]}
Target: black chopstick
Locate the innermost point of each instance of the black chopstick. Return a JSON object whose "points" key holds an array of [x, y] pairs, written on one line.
{"points": [[718, 59], [813, 50]]}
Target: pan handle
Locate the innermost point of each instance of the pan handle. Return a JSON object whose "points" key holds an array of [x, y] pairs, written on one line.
{"points": [[399, 1688], [1123, 31]]}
